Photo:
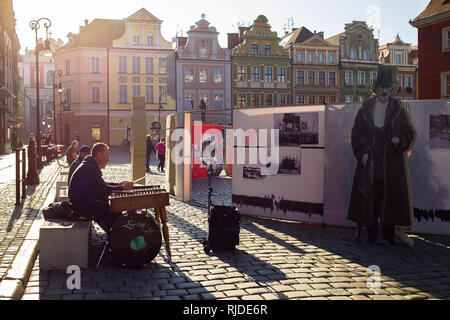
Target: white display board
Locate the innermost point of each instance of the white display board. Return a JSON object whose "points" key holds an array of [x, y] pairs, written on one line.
{"points": [[296, 190]]}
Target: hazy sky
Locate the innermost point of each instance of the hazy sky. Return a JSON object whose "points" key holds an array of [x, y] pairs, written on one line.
{"points": [[330, 16]]}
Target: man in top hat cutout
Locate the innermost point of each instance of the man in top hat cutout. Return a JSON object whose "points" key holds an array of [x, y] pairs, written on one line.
{"points": [[381, 136]]}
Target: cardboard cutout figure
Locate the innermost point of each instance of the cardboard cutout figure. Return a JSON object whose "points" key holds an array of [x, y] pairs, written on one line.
{"points": [[381, 136]]}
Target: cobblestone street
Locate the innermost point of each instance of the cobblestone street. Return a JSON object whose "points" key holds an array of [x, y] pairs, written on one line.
{"points": [[274, 260]]}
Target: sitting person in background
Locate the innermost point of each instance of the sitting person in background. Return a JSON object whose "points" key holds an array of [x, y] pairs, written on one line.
{"points": [[84, 152], [71, 154], [89, 193]]}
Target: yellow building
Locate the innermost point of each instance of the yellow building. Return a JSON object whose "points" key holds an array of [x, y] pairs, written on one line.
{"points": [[141, 63]]}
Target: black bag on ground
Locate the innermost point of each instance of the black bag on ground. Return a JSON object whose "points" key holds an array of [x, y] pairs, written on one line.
{"points": [[223, 229], [57, 210]]}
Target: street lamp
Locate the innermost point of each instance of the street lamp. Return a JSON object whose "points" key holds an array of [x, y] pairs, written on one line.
{"points": [[35, 26], [59, 73], [159, 117]]}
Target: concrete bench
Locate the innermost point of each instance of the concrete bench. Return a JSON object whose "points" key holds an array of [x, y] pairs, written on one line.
{"points": [[63, 243], [64, 171], [61, 182]]}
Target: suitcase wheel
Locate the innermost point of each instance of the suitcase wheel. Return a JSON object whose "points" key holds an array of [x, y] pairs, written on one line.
{"points": [[207, 249]]}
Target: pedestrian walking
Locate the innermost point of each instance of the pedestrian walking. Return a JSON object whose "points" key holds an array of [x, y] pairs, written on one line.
{"points": [[150, 149], [71, 154], [161, 149]]}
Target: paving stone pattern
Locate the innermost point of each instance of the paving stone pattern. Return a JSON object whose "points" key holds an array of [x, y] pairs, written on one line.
{"points": [[274, 260]]}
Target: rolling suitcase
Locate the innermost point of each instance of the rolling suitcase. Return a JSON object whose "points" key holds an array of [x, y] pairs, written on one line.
{"points": [[223, 226]]}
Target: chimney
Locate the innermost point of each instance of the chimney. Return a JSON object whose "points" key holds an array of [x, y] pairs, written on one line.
{"points": [[321, 34], [86, 22], [241, 32], [233, 40], [181, 42]]}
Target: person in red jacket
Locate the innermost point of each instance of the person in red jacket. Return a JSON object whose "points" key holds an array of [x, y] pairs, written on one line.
{"points": [[161, 149]]}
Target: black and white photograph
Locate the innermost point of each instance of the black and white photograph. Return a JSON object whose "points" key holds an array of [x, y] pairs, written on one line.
{"points": [[252, 173], [440, 131], [290, 161], [297, 128]]}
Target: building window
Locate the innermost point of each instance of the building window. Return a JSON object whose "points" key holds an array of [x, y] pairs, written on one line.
{"points": [[242, 73], [148, 80], [95, 65], [321, 78], [398, 58], [299, 56], [67, 67], [408, 81], [361, 98], [400, 81], [268, 99], [203, 53], [321, 99], [373, 77], [218, 76], [49, 80], [301, 77], [332, 99], [348, 99], [189, 75], [366, 55], [95, 95], [162, 64], [68, 97], [281, 99], [353, 54], [254, 48], [255, 73], [331, 58], [447, 85], [268, 74], [321, 57], [332, 79], [149, 94], [136, 91], [149, 65], [311, 78], [95, 134], [123, 94], [281, 74], [218, 101], [136, 80], [310, 57], [150, 39], [188, 101], [446, 39], [267, 50], [361, 78], [300, 99], [255, 100], [163, 94], [136, 38], [122, 64], [203, 76], [241, 99], [311, 99], [136, 65]]}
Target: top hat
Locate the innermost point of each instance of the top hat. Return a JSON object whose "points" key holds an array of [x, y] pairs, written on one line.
{"points": [[385, 75]]}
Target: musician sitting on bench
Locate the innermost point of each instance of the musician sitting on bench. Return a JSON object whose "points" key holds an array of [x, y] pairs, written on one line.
{"points": [[89, 193]]}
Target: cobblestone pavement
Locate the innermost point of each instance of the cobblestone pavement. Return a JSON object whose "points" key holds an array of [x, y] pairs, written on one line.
{"points": [[15, 221], [274, 260]]}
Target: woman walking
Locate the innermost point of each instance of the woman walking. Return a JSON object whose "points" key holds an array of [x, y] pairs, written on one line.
{"points": [[161, 149]]}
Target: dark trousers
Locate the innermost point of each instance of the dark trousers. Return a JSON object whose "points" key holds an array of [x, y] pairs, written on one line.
{"points": [[147, 161], [99, 211], [388, 229], [162, 159]]}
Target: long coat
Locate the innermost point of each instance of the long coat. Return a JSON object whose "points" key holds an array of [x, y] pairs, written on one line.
{"points": [[397, 208]]}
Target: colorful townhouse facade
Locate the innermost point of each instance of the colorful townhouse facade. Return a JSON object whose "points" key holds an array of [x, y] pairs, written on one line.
{"points": [[405, 58], [433, 26], [358, 61], [141, 63], [261, 67], [9, 81], [203, 70], [315, 67]]}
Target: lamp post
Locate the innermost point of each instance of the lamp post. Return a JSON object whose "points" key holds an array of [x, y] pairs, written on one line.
{"points": [[159, 116], [35, 26], [59, 73]]}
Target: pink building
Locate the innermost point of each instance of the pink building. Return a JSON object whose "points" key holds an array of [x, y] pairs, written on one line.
{"points": [[203, 70], [82, 108]]}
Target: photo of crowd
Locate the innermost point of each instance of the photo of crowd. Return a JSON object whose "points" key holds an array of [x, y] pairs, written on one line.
{"points": [[252, 173], [296, 129]]}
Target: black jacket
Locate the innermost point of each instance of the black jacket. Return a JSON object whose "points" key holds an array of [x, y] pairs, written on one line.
{"points": [[87, 184], [397, 203], [74, 167]]}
